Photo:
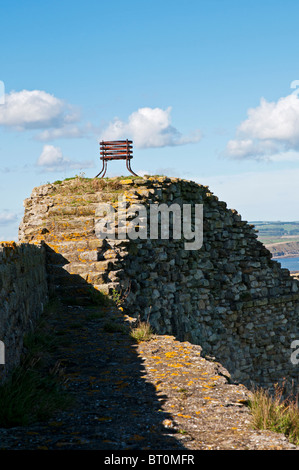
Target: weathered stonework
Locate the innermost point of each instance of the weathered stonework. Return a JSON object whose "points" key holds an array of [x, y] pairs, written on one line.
{"points": [[23, 294], [229, 296]]}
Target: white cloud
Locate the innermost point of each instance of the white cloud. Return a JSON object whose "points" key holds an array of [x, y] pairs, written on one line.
{"points": [[35, 109], [148, 127], [65, 132], [271, 132], [52, 159], [7, 217], [50, 156], [38, 110]]}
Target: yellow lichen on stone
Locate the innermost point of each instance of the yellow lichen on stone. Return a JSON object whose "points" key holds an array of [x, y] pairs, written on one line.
{"points": [[9, 244], [128, 181]]}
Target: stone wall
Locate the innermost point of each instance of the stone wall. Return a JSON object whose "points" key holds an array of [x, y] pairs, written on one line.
{"points": [[229, 296], [23, 294]]}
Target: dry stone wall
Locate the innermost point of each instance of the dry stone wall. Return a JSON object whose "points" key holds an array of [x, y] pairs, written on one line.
{"points": [[229, 296], [23, 295]]}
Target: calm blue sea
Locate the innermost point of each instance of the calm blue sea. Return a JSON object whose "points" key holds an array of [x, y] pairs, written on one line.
{"points": [[292, 264]]}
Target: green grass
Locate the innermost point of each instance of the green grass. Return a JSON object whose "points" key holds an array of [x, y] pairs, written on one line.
{"points": [[80, 185], [112, 327], [270, 240], [116, 297], [99, 298], [96, 315], [34, 390], [274, 232], [39, 342], [275, 414], [142, 332], [30, 396]]}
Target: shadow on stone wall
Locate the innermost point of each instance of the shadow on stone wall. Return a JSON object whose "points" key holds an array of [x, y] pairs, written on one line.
{"points": [[104, 371], [23, 294]]}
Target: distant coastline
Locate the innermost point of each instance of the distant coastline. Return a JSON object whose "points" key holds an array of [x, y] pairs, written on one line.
{"points": [[280, 238], [284, 249], [295, 255]]}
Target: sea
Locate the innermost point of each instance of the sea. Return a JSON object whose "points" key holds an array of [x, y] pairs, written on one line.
{"points": [[292, 264]]}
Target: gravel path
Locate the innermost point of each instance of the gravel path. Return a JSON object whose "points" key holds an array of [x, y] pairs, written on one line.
{"points": [[155, 395]]}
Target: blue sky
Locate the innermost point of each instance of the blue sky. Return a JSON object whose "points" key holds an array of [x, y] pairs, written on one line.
{"points": [[205, 88]]}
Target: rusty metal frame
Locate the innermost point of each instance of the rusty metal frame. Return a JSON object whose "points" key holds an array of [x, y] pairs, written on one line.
{"points": [[116, 150]]}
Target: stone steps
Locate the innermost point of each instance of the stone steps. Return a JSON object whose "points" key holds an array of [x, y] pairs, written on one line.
{"points": [[73, 211], [72, 257], [78, 268], [78, 263]]}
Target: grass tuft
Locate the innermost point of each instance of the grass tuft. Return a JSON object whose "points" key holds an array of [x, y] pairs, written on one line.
{"points": [[275, 414], [80, 185], [142, 332]]}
